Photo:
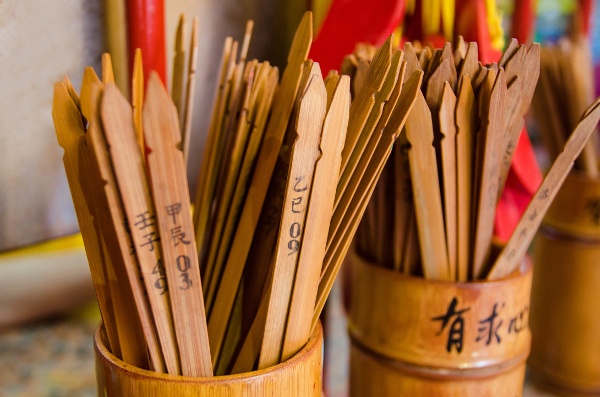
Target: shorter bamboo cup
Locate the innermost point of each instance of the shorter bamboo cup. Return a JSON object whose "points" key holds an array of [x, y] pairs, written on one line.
{"points": [[417, 337], [565, 296], [300, 376]]}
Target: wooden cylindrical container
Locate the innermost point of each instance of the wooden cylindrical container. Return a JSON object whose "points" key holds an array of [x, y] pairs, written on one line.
{"points": [[299, 376], [417, 337], [565, 296]]}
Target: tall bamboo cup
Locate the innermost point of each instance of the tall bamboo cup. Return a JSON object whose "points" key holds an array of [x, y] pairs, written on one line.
{"points": [[300, 376], [416, 337], [565, 351]]}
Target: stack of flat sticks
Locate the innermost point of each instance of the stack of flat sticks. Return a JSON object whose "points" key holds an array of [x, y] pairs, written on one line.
{"points": [[270, 228], [432, 213], [565, 89], [240, 284]]}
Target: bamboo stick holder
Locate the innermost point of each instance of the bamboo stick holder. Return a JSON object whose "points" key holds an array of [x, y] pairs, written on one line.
{"points": [[412, 336], [299, 376], [565, 351]]}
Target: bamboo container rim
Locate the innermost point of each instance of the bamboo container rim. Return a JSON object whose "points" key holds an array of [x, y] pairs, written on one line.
{"points": [[525, 267], [314, 342]]}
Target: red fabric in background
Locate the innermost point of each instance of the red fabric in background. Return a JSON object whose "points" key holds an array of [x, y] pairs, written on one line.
{"points": [[146, 30], [349, 22]]}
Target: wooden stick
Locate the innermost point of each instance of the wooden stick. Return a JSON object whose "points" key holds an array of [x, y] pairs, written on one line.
{"points": [[492, 115], [177, 76], [207, 176], [305, 153], [250, 349], [412, 62], [509, 51], [69, 130], [448, 169], [331, 82], [108, 76], [168, 183], [466, 119], [190, 90], [403, 203], [320, 209], [426, 192], [380, 99], [510, 257], [246, 42], [411, 261], [460, 50], [515, 65], [137, 98], [363, 103], [283, 102], [470, 64], [528, 79]]}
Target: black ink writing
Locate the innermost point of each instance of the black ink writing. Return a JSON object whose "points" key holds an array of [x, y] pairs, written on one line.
{"points": [[161, 281], [179, 236], [144, 220], [300, 189], [183, 265], [456, 330], [488, 329], [173, 210]]}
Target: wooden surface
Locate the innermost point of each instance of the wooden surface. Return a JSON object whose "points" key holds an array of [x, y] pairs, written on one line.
{"points": [[300, 376], [412, 336], [565, 327], [404, 317]]}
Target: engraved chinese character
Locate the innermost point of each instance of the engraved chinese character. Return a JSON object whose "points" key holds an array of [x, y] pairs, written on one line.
{"points": [[295, 204], [519, 322], [179, 236], [173, 210], [456, 330], [300, 189], [533, 216], [488, 329], [150, 239], [145, 220]]}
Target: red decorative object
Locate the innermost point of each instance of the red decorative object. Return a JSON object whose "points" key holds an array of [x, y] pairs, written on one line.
{"points": [[146, 30], [349, 22]]}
